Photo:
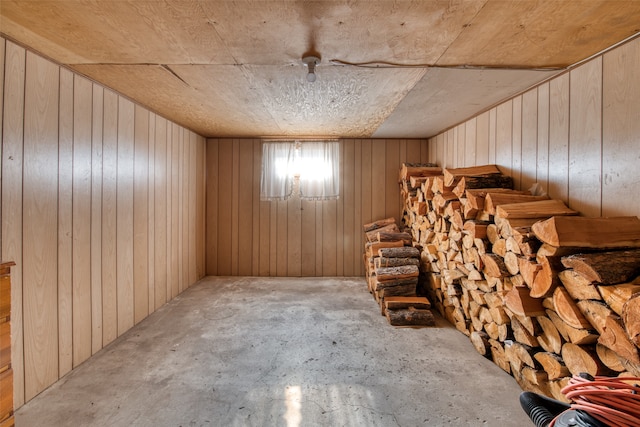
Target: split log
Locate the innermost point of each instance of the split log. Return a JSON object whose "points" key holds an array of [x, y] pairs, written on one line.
{"points": [[529, 270], [498, 355], [631, 318], [404, 237], [609, 358], [410, 317], [596, 312], [546, 280], [512, 263], [499, 247], [418, 169], [550, 339], [542, 208], [618, 232], [493, 200], [494, 265], [451, 175], [407, 290], [556, 387], [552, 364], [476, 229], [578, 286], [520, 302], [571, 334], [373, 247], [400, 252], [617, 295], [607, 268], [615, 338], [483, 181], [379, 224], [476, 197], [522, 335], [380, 262], [480, 341], [580, 359], [567, 309]]}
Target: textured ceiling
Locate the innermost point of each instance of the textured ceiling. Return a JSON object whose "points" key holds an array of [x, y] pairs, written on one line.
{"points": [[404, 69]]}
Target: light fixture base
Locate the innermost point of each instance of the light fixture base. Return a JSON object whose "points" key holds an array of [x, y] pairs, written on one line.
{"points": [[311, 61]]}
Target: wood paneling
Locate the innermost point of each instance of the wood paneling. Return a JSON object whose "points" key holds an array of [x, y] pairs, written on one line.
{"points": [[299, 237], [577, 135], [78, 187]]}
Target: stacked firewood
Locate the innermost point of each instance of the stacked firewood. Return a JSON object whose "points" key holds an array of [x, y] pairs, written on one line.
{"points": [[391, 265], [541, 291]]}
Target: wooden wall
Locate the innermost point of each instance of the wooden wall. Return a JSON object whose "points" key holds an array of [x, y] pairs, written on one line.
{"points": [[578, 135], [249, 237], [102, 211]]}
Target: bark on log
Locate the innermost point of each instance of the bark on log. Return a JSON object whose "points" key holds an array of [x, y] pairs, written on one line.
{"points": [[394, 273], [379, 224], [596, 312], [400, 252], [494, 265], [617, 295], [618, 232], [403, 237], [390, 283], [607, 268], [480, 341], [410, 317], [483, 181], [498, 355], [407, 290], [380, 262], [493, 200], [372, 236], [451, 175], [396, 303], [419, 169], [631, 318]]}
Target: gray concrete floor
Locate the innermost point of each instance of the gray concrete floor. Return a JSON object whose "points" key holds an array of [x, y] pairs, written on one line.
{"points": [[280, 352]]}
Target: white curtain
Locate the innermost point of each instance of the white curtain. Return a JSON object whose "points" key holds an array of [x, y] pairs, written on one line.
{"points": [[319, 170], [276, 182], [315, 164]]}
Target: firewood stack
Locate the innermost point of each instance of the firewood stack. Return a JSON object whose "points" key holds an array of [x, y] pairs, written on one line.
{"points": [[391, 266], [541, 291]]}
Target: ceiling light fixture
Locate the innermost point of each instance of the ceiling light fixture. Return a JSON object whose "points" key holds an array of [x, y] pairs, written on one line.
{"points": [[311, 62]]}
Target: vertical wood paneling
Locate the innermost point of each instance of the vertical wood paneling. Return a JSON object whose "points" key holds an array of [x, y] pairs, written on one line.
{"points": [[40, 224], [225, 153], [212, 205], [160, 235], [366, 183], [256, 205], [151, 221], [65, 226], [193, 206], [378, 178], [109, 218], [357, 210], [281, 236], [391, 190], [185, 212], [481, 140], [235, 210], [516, 143], [82, 123], [245, 208], [169, 210], [492, 136], [340, 220], [621, 130], [12, 225], [529, 142], [308, 238], [124, 217], [329, 239], [175, 207], [504, 130], [542, 164], [440, 149], [294, 240], [559, 138], [349, 230], [96, 219], [585, 138], [470, 152], [2, 53], [140, 214]]}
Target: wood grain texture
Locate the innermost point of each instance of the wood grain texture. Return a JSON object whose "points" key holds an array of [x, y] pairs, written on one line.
{"points": [[151, 221], [12, 165], [481, 141], [558, 173], [529, 150], [516, 143], [140, 212], [542, 152], [40, 224], [82, 121], [65, 224], [504, 131], [620, 130]]}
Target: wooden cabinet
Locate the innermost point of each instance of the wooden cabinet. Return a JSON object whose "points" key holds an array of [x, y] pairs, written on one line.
{"points": [[6, 373]]}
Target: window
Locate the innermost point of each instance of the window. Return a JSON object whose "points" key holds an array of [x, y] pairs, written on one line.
{"points": [[311, 167]]}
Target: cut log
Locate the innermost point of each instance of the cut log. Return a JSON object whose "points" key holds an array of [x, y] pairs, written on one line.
{"points": [[550, 339], [520, 302], [494, 265], [607, 268], [521, 334], [529, 270], [395, 273], [372, 236], [400, 252], [451, 175], [379, 224], [419, 169], [615, 338], [618, 232], [568, 310], [407, 290], [631, 318], [579, 359], [410, 317], [556, 387], [476, 229], [578, 287], [396, 303], [492, 233], [570, 334], [476, 197], [512, 263], [617, 295], [596, 312], [482, 181], [493, 200], [406, 238], [552, 364], [498, 355], [380, 262], [537, 209], [373, 247], [480, 341], [609, 358]]}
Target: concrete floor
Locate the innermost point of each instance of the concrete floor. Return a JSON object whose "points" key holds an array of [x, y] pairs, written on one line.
{"points": [[280, 352]]}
